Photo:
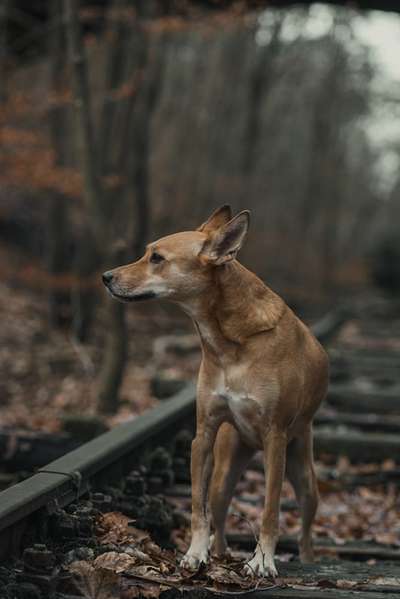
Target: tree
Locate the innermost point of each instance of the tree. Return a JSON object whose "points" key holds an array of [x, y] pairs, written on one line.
{"points": [[3, 48], [96, 247]]}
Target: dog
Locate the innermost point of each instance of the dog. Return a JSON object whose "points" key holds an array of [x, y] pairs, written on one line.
{"points": [[262, 377]]}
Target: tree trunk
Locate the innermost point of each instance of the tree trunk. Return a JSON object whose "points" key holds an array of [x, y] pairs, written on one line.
{"points": [[57, 259], [84, 296], [114, 358], [3, 49], [59, 300], [97, 232], [85, 134], [262, 76], [138, 167], [116, 347], [87, 259], [96, 235], [115, 58]]}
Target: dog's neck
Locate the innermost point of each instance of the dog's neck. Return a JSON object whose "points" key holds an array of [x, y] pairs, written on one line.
{"points": [[236, 306]]}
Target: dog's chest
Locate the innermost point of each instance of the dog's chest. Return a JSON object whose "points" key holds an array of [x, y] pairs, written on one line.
{"points": [[240, 407]]}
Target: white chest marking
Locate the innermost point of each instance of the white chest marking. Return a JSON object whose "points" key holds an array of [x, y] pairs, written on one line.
{"points": [[239, 404]]}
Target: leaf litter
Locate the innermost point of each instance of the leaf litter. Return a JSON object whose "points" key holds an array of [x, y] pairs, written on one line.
{"points": [[140, 568]]}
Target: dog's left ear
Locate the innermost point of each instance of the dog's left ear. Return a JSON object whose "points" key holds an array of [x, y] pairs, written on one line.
{"points": [[225, 242], [219, 217]]}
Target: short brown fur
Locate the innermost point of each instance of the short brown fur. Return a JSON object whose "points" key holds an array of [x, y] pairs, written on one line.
{"points": [[262, 377]]}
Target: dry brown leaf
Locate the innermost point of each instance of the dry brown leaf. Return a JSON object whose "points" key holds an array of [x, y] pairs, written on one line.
{"points": [[142, 590], [117, 528], [147, 570], [95, 583], [225, 576], [302, 587], [346, 584], [117, 562], [151, 548], [386, 581]]}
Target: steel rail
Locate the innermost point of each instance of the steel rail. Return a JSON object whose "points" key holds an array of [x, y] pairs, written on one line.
{"points": [[67, 478]]}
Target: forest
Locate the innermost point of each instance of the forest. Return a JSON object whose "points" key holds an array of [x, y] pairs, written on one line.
{"points": [[122, 121], [117, 127]]}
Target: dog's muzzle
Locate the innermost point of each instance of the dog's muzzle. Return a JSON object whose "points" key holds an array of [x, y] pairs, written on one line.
{"points": [[108, 279]]}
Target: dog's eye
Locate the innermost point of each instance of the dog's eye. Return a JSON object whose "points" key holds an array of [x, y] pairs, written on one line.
{"points": [[156, 258]]}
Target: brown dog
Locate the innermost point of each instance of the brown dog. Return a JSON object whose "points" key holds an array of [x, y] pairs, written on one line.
{"points": [[262, 377]]}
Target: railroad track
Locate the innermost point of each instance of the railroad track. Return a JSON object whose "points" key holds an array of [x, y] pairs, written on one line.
{"points": [[54, 511]]}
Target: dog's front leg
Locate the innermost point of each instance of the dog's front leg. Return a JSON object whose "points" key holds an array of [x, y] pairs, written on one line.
{"points": [[262, 563], [201, 469]]}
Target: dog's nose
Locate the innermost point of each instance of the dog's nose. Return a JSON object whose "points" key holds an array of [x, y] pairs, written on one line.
{"points": [[107, 277]]}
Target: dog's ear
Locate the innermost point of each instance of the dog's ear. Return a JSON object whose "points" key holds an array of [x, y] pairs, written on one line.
{"points": [[225, 242], [219, 217]]}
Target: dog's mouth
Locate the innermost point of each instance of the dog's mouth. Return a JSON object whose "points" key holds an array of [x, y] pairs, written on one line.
{"points": [[138, 297]]}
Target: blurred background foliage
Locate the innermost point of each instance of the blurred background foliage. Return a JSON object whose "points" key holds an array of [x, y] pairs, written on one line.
{"points": [[124, 120]]}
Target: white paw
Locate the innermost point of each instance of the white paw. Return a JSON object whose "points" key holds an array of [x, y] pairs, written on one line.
{"points": [[261, 565], [192, 561]]}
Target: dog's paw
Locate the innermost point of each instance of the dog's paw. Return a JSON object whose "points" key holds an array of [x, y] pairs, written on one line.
{"points": [[260, 565], [218, 546], [193, 561], [306, 552]]}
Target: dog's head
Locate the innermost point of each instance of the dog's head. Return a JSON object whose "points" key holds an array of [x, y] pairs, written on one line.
{"points": [[180, 266]]}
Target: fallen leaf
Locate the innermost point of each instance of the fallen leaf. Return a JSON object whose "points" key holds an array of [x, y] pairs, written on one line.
{"points": [[117, 562], [346, 584], [116, 528], [386, 581], [94, 583]]}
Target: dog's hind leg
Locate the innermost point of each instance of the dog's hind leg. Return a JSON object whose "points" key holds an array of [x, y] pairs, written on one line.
{"points": [[231, 457], [301, 475]]}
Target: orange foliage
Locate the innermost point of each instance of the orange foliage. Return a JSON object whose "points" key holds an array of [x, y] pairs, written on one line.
{"points": [[12, 136], [34, 167], [199, 20], [28, 159], [59, 97], [127, 89]]}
